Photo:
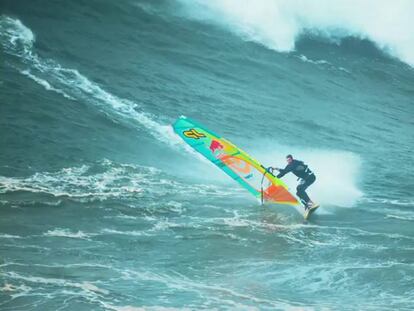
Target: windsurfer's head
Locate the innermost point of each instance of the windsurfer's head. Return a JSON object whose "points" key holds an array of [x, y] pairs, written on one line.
{"points": [[289, 158]]}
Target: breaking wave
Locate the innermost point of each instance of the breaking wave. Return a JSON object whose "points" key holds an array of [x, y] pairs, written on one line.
{"points": [[278, 24]]}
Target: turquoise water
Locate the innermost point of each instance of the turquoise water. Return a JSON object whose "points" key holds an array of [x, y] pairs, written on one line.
{"points": [[104, 208]]}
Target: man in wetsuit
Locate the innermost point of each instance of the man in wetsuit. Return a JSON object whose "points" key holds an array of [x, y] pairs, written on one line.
{"points": [[304, 174]]}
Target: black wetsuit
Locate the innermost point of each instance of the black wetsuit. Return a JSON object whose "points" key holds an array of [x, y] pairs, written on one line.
{"points": [[307, 178]]}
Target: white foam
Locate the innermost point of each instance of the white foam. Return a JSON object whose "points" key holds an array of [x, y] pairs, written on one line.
{"points": [[9, 236], [215, 292], [389, 201], [15, 290], [66, 233], [130, 233], [93, 288], [399, 217], [78, 182], [45, 84], [278, 23], [87, 90], [337, 173], [143, 308], [315, 62], [15, 36], [105, 180], [88, 288]]}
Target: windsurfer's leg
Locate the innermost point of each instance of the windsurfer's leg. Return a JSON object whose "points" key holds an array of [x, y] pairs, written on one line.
{"points": [[301, 193], [301, 190]]}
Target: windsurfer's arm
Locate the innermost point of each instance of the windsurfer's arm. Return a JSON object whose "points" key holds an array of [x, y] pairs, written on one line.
{"points": [[283, 171]]}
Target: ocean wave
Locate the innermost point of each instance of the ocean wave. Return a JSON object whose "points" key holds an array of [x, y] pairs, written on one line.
{"points": [[19, 285], [278, 24], [66, 233], [106, 179], [14, 288], [18, 40], [82, 182], [356, 232], [45, 84], [87, 288], [399, 217], [129, 233], [15, 36], [214, 293], [9, 236], [143, 308], [59, 266], [400, 202], [315, 62]]}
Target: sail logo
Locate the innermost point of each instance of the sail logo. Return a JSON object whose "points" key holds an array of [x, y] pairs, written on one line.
{"points": [[215, 145], [192, 133]]}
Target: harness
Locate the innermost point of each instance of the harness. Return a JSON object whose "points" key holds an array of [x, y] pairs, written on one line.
{"points": [[308, 173]]}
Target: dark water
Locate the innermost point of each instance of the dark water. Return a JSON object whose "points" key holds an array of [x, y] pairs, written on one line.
{"points": [[103, 208]]}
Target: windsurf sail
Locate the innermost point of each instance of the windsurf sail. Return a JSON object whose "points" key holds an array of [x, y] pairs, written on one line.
{"points": [[236, 163]]}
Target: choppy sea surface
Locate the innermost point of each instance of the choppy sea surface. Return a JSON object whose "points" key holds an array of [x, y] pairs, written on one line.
{"points": [[102, 207]]}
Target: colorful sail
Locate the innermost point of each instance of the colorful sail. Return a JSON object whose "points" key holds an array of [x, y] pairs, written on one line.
{"points": [[236, 163]]}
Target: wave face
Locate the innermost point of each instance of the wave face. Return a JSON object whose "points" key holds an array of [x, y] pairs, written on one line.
{"points": [[279, 24], [102, 206]]}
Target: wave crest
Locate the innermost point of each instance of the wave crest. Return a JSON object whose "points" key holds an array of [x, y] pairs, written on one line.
{"points": [[18, 40], [278, 24]]}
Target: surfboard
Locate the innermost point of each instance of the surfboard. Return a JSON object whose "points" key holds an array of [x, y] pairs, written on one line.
{"points": [[236, 163], [310, 211]]}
